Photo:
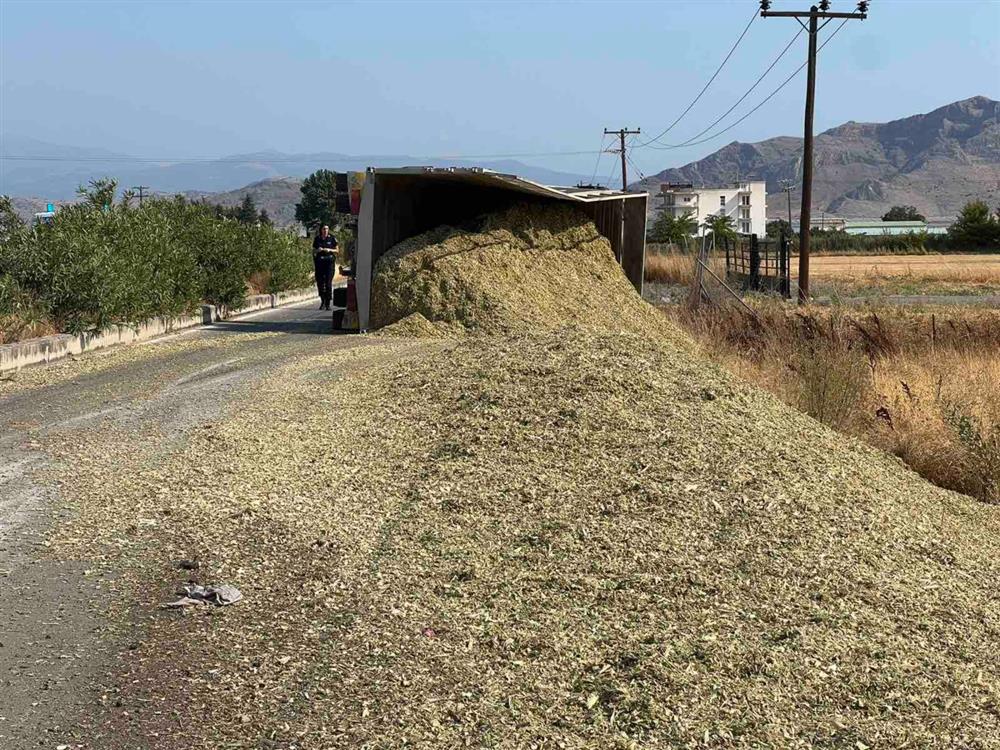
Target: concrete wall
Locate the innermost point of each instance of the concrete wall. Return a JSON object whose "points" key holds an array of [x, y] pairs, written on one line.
{"points": [[51, 348]]}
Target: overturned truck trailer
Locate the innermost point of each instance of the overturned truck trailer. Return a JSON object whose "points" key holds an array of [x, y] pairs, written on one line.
{"points": [[402, 202]]}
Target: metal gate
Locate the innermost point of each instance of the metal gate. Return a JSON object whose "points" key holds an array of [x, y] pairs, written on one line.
{"points": [[759, 265]]}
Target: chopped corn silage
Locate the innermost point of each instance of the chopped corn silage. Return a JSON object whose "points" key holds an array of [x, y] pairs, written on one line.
{"points": [[566, 536], [530, 267], [564, 539]]}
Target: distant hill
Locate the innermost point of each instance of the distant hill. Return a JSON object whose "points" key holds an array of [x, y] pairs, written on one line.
{"points": [[936, 161], [57, 176], [277, 196]]}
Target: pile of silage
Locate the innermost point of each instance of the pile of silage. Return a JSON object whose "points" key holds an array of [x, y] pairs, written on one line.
{"points": [[529, 267]]}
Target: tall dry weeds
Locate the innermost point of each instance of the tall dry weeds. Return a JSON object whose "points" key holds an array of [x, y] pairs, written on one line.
{"points": [[924, 387], [670, 268]]}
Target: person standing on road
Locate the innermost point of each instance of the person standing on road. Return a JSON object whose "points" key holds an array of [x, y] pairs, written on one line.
{"points": [[324, 254]]}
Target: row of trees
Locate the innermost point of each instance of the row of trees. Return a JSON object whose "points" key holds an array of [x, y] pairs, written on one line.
{"points": [[245, 213], [677, 230], [975, 228], [101, 262]]}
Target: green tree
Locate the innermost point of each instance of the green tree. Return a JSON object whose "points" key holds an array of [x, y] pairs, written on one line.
{"points": [[10, 223], [99, 193], [319, 200], [776, 227], [247, 211], [903, 213], [673, 229], [265, 218], [721, 226], [976, 226]]}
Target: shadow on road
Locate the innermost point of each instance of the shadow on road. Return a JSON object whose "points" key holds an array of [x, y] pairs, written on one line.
{"points": [[307, 325]]}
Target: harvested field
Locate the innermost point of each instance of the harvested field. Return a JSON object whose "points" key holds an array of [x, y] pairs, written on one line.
{"points": [[540, 535], [977, 273], [974, 265], [864, 275]]}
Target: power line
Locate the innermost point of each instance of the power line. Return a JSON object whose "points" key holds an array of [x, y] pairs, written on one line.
{"points": [[761, 104], [622, 133], [287, 160], [720, 118], [597, 163], [635, 167], [710, 80], [814, 14]]}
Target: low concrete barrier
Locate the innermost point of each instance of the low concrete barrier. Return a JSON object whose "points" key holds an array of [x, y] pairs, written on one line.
{"points": [[51, 348]]}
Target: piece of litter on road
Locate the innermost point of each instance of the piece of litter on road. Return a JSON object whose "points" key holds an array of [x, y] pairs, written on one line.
{"points": [[221, 596]]}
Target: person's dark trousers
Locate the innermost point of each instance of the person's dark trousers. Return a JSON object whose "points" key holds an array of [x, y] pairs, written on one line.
{"points": [[324, 277]]}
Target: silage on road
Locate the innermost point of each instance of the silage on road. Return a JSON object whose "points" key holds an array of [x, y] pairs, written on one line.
{"points": [[569, 539], [579, 536]]}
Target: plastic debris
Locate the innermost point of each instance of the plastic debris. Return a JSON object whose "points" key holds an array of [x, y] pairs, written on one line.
{"points": [[220, 596]]}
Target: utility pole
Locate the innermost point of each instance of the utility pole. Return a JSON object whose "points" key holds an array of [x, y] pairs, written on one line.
{"points": [[142, 194], [787, 187], [621, 133], [814, 14]]}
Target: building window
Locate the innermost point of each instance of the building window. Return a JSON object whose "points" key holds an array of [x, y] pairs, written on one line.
{"points": [[745, 200], [687, 199], [722, 201], [744, 213], [745, 227]]}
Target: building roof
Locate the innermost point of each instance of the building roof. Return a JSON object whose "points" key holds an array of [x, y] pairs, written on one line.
{"points": [[487, 177], [667, 187], [879, 224]]}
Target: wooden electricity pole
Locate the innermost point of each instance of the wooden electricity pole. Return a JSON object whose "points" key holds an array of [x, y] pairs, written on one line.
{"points": [[142, 193], [786, 185], [814, 14], [621, 133]]}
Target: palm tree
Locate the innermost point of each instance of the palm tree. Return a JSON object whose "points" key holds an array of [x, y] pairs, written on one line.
{"points": [[721, 226], [672, 229]]}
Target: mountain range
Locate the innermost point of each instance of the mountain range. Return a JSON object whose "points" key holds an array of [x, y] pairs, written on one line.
{"points": [[64, 168], [936, 161]]}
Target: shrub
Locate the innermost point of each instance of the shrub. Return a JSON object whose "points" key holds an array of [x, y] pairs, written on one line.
{"points": [[279, 256], [20, 313], [99, 264]]}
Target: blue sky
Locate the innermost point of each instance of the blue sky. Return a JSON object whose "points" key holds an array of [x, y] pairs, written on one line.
{"points": [[200, 79]]}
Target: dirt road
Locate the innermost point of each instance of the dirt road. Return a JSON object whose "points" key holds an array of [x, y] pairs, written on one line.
{"points": [[57, 644]]}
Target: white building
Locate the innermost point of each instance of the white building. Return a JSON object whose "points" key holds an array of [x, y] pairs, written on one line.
{"points": [[744, 202]]}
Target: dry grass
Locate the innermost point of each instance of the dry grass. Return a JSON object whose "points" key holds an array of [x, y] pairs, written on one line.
{"points": [[16, 328], [923, 386], [978, 267], [906, 274], [670, 268], [259, 282]]}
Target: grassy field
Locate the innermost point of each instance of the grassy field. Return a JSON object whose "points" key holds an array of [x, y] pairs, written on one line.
{"points": [[860, 276], [921, 386]]}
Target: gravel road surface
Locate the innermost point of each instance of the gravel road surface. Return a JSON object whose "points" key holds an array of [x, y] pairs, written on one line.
{"points": [[56, 643]]}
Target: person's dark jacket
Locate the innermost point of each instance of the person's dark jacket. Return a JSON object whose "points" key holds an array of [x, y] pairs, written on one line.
{"points": [[324, 246]]}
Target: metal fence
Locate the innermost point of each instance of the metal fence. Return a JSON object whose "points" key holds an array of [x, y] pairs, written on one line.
{"points": [[759, 265]]}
